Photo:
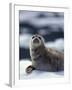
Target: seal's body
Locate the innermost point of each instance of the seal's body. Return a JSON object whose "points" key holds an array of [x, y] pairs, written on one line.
{"points": [[45, 59]]}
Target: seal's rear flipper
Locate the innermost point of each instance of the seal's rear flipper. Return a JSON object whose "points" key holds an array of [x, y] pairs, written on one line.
{"points": [[29, 69]]}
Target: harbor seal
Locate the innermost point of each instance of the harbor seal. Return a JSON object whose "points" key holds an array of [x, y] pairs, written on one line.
{"points": [[43, 58]]}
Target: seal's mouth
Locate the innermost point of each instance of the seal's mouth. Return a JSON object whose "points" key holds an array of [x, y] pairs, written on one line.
{"points": [[36, 41]]}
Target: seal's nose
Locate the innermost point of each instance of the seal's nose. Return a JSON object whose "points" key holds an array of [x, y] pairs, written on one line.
{"points": [[36, 40]]}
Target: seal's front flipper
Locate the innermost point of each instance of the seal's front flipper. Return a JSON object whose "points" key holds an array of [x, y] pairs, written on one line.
{"points": [[29, 69]]}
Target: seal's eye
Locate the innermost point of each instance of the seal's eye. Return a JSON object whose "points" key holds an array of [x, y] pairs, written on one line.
{"points": [[33, 37], [39, 38]]}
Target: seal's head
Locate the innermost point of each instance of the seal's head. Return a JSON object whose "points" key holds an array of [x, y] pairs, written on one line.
{"points": [[37, 41]]}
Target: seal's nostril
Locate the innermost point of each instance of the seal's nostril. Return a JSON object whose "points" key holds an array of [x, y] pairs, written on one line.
{"points": [[35, 40]]}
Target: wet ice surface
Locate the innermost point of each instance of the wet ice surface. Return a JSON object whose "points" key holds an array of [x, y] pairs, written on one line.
{"points": [[37, 74]]}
